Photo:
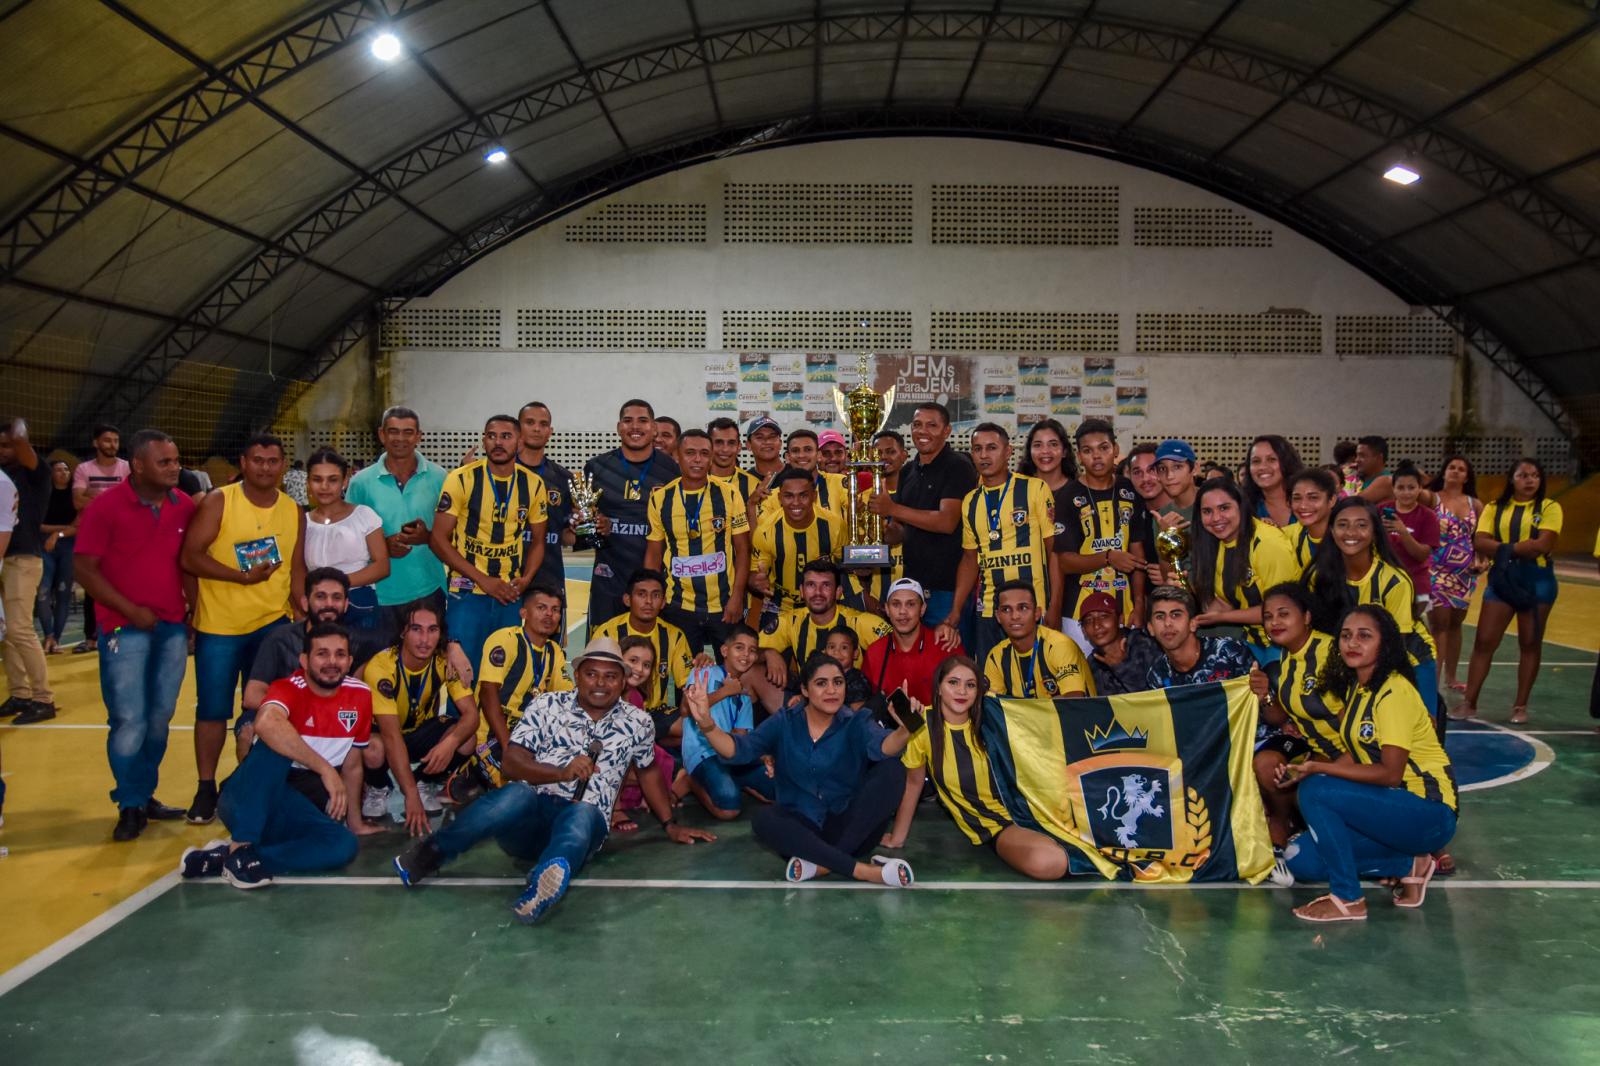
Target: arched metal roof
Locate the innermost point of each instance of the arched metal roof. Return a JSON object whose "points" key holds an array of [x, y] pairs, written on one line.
{"points": [[244, 185]]}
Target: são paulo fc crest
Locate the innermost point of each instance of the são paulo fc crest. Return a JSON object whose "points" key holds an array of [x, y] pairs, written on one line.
{"points": [[444, 502], [348, 720], [1019, 517], [386, 688], [497, 656]]}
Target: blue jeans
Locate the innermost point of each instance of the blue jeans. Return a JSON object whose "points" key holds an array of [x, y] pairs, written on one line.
{"points": [[724, 784], [1428, 685], [55, 589], [290, 833], [470, 617], [1366, 830], [221, 666], [362, 610], [140, 673], [527, 825]]}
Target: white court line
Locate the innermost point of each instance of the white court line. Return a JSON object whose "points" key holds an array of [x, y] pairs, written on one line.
{"points": [[1586, 662], [1543, 756], [86, 932], [938, 886]]}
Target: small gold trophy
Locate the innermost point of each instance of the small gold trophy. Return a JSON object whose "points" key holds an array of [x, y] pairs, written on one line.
{"points": [[1173, 547], [584, 499], [863, 411]]}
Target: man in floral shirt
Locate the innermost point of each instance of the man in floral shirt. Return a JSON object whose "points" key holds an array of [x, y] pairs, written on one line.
{"points": [[1188, 658]]}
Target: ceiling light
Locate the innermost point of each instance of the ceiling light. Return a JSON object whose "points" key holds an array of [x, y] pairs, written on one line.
{"points": [[495, 154], [386, 46], [1401, 174]]}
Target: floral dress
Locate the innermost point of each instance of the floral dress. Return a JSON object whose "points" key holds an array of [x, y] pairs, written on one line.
{"points": [[1452, 579]]}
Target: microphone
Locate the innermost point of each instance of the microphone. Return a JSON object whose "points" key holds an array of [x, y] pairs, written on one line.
{"points": [[594, 757]]}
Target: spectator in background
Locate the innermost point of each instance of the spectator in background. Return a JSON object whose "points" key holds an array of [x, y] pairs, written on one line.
{"points": [[403, 488], [1454, 573], [294, 483], [99, 472], [1271, 463], [1413, 531], [1372, 470], [1344, 467], [31, 699], [60, 529], [667, 432], [346, 536]]}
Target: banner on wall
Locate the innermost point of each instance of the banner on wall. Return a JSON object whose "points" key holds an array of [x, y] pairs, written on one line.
{"points": [[1016, 391]]}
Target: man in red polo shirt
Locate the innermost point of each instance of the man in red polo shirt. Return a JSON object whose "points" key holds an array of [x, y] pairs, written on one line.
{"points": [[911, 652], [126, 558]]}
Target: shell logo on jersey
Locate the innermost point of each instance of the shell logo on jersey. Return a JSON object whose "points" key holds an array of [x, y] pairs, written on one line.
{"points": [[497, 656], [386, 688], [444, 502]]}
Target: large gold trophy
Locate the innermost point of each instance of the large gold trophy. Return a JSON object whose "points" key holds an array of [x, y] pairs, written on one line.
{"points": [[863, 411]]}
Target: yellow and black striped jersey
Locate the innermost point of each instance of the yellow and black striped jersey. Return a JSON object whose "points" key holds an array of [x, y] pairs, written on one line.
{"points": [[673, 657], [412, 696], [697, 526], [1316, 713], [494, 518], [1512, 522], [1012, 528], [782, 552], [521, 669], [799, 634], [1394, 716], [1390, 588], [961, 777], [1305, 546], [743, 482], [1098, 520], [1271, 561], [1053, 668], [830, 497]]}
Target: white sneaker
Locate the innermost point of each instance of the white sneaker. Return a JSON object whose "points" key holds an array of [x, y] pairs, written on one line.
{"points": [[429, 791], [375, 803], [1279, 875]]}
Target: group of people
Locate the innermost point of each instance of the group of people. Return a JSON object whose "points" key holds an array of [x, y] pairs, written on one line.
{"points": [[395, 645]]}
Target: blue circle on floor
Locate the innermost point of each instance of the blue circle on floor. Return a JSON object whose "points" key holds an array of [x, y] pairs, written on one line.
{"points": [[1484, 756]]}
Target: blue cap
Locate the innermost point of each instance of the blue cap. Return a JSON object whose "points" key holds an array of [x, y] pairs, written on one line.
{"points": [[1175, 449], [760, 422]]}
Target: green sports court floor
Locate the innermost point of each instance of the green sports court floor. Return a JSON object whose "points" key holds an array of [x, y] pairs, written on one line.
{"points": [[667, 954]]}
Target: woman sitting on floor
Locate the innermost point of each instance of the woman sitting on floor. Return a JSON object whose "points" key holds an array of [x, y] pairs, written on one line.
{"points": [[951, 750], [837, 778], [1389, 800]]}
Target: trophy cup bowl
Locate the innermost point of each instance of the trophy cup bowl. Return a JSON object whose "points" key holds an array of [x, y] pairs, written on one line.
{"points": [[584, 499], [863, 410], [1173, 547]]}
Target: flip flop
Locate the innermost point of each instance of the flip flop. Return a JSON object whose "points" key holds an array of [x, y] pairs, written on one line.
{"points": [[1519, 716], [1463, 713], [1344, 912], [626, 825], [1458, 686], [1432, 868]]}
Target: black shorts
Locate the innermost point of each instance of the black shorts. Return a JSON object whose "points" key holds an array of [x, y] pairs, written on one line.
{"points": [[1291, 748]]}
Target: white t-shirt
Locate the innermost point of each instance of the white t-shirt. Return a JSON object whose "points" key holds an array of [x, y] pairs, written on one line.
{"points": [[8, 504], [341, 544]]}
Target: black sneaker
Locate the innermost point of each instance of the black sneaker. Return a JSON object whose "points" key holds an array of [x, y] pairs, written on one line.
{"points": [[203, 811], [14, 706], [36, 712], [203, 862], [243, 869], [130, 823], [421, 860], [157, 811]]}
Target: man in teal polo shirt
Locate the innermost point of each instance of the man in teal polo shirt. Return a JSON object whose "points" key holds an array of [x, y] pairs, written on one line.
{"points": [[403, 487]]}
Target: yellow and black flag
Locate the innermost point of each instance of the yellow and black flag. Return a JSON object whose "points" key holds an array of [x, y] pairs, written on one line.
{"points": [[1152, 786]]}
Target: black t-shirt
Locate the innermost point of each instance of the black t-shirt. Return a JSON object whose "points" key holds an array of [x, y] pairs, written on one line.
{"points": [[60, 511], [1104, 518], [932, 558], [33, 491], [558, 488], [625, 499], [188, 482], [279, 654]]}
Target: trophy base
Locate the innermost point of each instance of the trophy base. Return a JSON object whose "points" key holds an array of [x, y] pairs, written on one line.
{"points": [[864, 556]]}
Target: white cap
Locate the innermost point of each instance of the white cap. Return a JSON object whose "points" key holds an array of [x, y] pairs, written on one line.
{"points": [[907, 584]]}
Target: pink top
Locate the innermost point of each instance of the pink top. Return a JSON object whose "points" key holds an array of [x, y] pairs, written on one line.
{"points": [[138, 548], [90, 475], [1423, 525]]}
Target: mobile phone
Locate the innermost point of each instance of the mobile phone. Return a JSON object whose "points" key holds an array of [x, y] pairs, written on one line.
{"points": [[901, 705], [1388, 514]]}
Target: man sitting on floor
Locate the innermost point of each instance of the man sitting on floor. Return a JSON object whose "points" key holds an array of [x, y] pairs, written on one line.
{"points": [[1122, 656], [801, 632], [290, 805], [1033, 662], [565, 767], [1188, 658]]}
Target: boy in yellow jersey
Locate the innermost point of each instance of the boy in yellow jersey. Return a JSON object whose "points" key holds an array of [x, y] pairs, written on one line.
{"points": [[246, 546], [1033, 662], [519, 662], [1007, 531], [1101, 546], [644, 599], [873, 585], [764, 438], [784, 543], [490, 533], [700, 538], [801, 453], [801, 632], [724, 436], [407, 681]]}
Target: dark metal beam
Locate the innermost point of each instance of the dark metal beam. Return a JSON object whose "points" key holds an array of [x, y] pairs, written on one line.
{"points": [[700, 41], [1070, 39], [899, 50], [586, 74], [1178, 67], [977, 56], [1592, 262], [472, 114]]}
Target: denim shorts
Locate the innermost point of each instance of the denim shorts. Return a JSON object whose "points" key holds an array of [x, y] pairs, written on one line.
{"points": [[221, 666], [1544, 587]]}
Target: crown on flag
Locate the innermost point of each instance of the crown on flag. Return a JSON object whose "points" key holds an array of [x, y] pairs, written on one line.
{"points": [[1116, 737]]}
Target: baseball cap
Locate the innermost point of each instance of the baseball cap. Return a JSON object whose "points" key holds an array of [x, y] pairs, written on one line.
{"points": [[760, 422], [830, 436], [604, 649], [1175, 449], [907, 584], [1097, 601]]}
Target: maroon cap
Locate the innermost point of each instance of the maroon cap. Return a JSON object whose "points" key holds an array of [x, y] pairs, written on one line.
{"points": [[1096, 601]]}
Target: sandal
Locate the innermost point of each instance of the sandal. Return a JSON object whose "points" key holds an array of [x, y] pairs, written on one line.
{"points": [[1447, 864], [1462, 713], [1331, 908], [1457, 686], [1519, 716], [1420, 883], [624, 825]]}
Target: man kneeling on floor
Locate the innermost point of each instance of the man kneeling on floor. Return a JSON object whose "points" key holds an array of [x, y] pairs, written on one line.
{"points": [[290, 805], [564, 768]]}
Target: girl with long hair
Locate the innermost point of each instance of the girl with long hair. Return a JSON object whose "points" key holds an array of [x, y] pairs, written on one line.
{"points": [[1355, 565], [1519, 532], [344, 535], [1413, 530], [1389, 800], [1269, 465], [1234, 559], [1312, 494], [1453, 495], [951, 751]]}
